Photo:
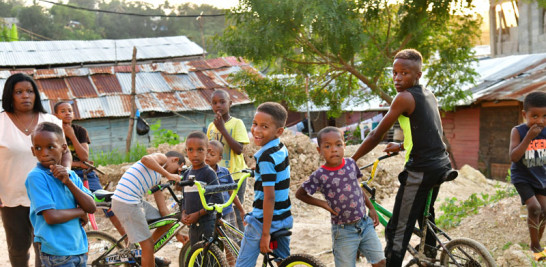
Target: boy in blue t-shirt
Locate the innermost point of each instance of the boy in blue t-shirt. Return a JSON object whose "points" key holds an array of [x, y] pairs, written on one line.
{"points": [[214, 155], [271, 200], [337, 180], [528, 171], [58, 201]]}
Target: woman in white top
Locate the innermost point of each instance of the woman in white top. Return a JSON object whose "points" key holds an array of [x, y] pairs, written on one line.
{"points": [[23, 110]]}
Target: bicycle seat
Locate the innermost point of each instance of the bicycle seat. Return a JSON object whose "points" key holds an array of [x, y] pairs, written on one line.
{"points": [[103, 195], [280, 233], [450, 175]]}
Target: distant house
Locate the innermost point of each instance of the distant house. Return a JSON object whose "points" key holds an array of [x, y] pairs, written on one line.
{"points": [[479, 131], [177, 92]]}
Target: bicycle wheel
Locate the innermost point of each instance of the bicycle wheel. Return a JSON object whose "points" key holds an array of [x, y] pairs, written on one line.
{"points": [[214, 258], [99, 243], [301, 260], [184, 254], [466, 252]]}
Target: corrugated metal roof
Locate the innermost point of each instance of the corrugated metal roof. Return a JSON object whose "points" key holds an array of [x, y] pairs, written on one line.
{"points": [[160, 87], [509, 78], [44, 53], [106, 84], [54, 89], [81, 86]]}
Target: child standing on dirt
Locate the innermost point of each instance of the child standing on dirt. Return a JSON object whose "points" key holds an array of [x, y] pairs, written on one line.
{"points": [[201, 221], [58, 201], [130, 206], [214, 155], [78, 142], [427, 161], [231, 132], [271, 190], [337, 180], [528, 171]]}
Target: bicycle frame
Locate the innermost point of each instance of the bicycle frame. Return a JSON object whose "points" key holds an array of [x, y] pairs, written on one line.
{"points": [[384, 214], [173, 218]]}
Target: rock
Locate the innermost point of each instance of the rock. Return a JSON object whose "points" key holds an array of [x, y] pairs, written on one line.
{"points": [[472, 174], [514, 257]]}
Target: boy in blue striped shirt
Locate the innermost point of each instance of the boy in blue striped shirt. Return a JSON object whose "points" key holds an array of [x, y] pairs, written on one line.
{"points": [[271, 201], [129, 205]]}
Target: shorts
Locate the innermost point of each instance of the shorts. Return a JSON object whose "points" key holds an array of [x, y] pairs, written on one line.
{"points": [[133, 218], [360, 236], [63, 261], [527, 191], [250, 246]]}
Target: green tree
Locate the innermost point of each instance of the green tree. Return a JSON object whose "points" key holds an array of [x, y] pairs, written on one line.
{"points": [[347, 45]]}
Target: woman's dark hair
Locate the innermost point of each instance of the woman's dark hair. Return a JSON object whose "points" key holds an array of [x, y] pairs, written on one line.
{"points": [[7, 96]]}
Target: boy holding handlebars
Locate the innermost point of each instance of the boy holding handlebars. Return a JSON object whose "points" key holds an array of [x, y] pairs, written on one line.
{"points": [[427, 161], [130, 207]]}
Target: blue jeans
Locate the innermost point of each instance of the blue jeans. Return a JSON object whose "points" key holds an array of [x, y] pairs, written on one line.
{"points": [[92, 178], [250, 246], [359, 236], [63, 261]]}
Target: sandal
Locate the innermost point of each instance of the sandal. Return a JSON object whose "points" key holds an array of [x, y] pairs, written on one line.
{"points": [[540, 256]]}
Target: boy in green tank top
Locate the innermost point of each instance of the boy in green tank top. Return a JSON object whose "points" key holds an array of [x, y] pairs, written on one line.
{"points": [[427, 161]]}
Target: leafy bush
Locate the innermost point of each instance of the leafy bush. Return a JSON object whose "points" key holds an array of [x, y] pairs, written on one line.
{"points": [[162, 136]]}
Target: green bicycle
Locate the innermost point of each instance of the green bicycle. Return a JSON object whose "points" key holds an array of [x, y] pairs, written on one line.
{"points": [[105, 250], [453, 252], [208, 252]]}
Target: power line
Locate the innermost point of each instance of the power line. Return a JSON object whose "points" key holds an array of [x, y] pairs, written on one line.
{"points": [[132, 14]]}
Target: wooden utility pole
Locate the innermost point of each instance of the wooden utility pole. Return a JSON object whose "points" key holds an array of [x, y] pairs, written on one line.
{"points": [[133, 103]]}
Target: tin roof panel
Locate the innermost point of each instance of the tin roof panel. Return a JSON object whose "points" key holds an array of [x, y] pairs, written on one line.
{"points": [[81, 87], [207, 81], [193, 100], [106, 84], [54, 89], [170, 101], [148, 102], [179, 82]]}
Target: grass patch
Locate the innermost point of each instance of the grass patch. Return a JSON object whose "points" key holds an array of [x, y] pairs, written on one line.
{"points": [[115, 156], [455, 210]]}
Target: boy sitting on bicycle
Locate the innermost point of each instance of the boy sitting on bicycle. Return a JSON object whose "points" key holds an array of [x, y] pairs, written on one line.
{"points": [[427, 161], [214, 155], [58, 201], [129, 205], [201, 221], [337, 180], [271, 200]]}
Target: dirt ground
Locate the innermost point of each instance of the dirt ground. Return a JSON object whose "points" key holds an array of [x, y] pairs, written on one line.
{"points": [[501, 227]]}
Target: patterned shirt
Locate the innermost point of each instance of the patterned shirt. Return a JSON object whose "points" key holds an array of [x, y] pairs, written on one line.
{"points": [[272, 169], [341, 189]]}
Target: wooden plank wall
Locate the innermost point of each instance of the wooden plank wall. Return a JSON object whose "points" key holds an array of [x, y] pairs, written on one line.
{"points": [[110, 133], [462, 129]]}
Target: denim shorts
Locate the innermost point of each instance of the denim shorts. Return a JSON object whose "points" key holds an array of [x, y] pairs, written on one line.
{"points": [[361, 236], [63, 261], [250, 246]]}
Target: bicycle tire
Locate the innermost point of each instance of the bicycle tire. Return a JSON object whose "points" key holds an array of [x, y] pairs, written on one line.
{"points": [[98, 243], [184, 254], [215, 256], [301, 260], [467, 252]]}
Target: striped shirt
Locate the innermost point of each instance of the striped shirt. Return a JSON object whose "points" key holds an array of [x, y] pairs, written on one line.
{"points": [[272, 169], [135, 183]]}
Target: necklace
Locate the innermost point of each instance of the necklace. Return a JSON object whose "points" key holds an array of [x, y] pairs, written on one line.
{"points": [[20, 122]]}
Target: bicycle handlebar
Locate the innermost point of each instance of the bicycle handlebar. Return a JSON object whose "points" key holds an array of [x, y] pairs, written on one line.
{"points": [[212, 189], [364, 184]]}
